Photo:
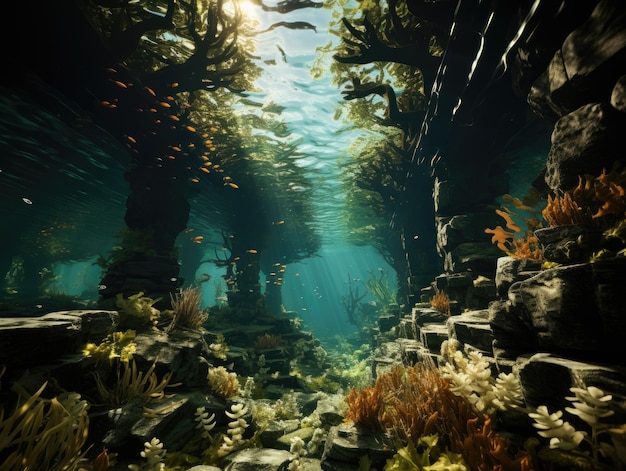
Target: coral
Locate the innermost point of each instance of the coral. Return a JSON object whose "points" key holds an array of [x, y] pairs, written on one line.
{"points": [[418, 401], [223, 383], [116, 345], [137, 311], [298, 451], [43, 434], [520, 243], [471, 378], [186, 310], [441, 302], [595, 201], [267, 341], [130, 383], [154, 454]]}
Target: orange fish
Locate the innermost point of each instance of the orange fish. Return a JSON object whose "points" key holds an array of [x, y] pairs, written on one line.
{"points": [[198, 239], [174, 84], [205, 170], [131, 139], [165, 104], [120, 84], [195, 180], [213, 129], [176, 148], [233, 185], [190, 128], [150, 91], [252, 251], [174, 117]]}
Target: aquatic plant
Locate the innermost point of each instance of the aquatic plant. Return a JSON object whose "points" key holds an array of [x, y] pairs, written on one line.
{"points": [[267, 341], [205, 422], [519, 243], [380, 289], [130, 383], [591, 405], [43, 434], [187, 312], [137, 311], [596, 201], [441, 302], [219, 349], [418, 401], [223, 383], [119, 345], [236, 429], [425, 455], [154, 454]]}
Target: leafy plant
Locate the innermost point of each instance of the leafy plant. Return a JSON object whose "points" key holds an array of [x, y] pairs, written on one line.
{"points": [[137, 311], [591, 405], [43, 434], [115, 345], [130, 383], [425, 455]]}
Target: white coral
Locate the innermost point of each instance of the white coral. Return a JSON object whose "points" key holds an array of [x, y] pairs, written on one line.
{"points": [[236, 429], [154, 454]]}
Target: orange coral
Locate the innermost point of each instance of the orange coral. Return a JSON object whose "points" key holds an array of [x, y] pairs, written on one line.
{"points": [[513, 244], [416, 401], [441, 302], [590, 202]]}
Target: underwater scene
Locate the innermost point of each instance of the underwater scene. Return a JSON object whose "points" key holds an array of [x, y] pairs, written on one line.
{"points": [[257, 235]]}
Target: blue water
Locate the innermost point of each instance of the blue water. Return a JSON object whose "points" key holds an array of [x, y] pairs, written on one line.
{"points": [[66, 179]]}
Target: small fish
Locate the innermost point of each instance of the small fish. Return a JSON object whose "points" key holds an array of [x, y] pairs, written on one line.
{"points": [[213, 129], [233, 185], [252, 251], [165, 104], [176, 148], [190, 128], [174, 84], [205, 170], [150, 91], [198, 239], [120, 84], [279, 223], [173, 117], [297, 274], [131, 139]]}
